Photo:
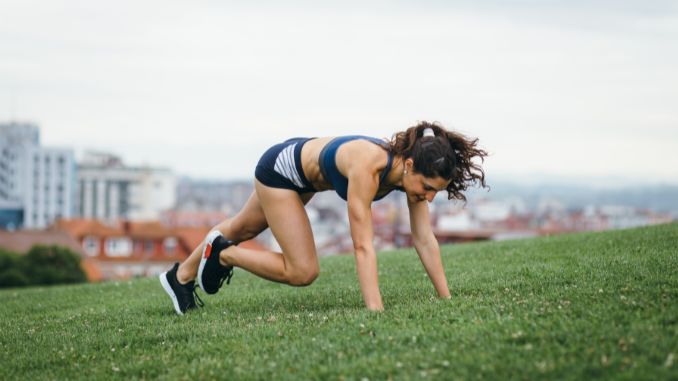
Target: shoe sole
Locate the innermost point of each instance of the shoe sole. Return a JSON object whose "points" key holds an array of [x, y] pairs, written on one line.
{"points": [[168, 289], [203, 259]]}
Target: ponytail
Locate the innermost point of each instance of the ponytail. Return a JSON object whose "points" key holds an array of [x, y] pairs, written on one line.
{"points": [[446, 154]]}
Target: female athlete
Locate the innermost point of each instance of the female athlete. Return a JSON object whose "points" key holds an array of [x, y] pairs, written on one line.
{"points": [[421, 161]]}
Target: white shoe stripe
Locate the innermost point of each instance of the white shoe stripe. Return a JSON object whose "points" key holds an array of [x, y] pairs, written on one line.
{"points": [[168, 289], [208, 240]]}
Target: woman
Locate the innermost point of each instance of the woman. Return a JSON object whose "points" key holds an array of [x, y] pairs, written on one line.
{"points": [[421, 161]]}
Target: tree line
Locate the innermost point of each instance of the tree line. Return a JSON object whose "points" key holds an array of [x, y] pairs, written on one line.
{"points": [[41, 265]]}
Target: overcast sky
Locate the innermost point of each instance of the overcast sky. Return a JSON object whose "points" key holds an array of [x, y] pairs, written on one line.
{"points": [[578, 89]]}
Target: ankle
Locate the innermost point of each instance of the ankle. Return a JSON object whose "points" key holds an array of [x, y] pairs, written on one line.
{"points": [[225, 258], [184, 276]]}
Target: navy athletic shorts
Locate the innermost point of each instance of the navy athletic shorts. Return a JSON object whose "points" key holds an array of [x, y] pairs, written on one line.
{"points": [[280, 167]]}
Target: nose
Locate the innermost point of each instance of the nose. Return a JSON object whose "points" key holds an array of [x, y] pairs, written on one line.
{"points": [[430, 195]]}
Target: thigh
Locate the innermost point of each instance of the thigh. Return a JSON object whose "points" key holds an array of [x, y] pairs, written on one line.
{"points": [[251, 219], [287, 218], [248, 222]]}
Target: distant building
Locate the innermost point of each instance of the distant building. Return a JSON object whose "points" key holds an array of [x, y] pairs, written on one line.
{"points": [[36, 183], [110, 191], [132, 249], [21, 242], [127, 249], [212, 196], [180, 218]]}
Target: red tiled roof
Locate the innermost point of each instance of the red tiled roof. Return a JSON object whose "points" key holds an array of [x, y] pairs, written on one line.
{"points": [[191, 236], [192, 218], [194, 236], [81, 227], [21, 241], [148, 230]]}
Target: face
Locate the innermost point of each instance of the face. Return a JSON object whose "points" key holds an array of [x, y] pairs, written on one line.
{"points": [[420, 188]]}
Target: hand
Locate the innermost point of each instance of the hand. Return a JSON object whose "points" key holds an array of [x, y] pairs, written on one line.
{"points": [[376, 308]]}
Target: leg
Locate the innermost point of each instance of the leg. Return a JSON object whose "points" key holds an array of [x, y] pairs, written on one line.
{"points": [[247, 224], [297, 265]]}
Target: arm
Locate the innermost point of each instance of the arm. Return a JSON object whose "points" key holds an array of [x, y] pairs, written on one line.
{"points": [[427, 247], [363, 182], [360, 218]]}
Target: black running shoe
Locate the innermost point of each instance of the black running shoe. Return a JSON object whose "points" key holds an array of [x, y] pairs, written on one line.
{"points": [[211, 273], [183, 295]]}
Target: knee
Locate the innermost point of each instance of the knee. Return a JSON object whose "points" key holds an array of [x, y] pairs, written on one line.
{"points": [[303, 277]]}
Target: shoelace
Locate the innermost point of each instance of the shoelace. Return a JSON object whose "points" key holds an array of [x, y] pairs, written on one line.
{"points": [[227, 277], [198, 301]]}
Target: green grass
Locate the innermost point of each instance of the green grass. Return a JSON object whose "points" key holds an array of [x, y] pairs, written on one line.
{"points": [[581, 306]]}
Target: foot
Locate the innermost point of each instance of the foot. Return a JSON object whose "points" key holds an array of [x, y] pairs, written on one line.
{"points": [[182, 295], [211, 273]]}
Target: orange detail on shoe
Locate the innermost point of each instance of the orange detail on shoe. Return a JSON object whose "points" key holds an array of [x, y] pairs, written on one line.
{"points": [[208, 250]]}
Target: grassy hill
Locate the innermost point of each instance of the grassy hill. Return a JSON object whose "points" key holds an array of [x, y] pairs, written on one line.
{"points": [[581, 306]]}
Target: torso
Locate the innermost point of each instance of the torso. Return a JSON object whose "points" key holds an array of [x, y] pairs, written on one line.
{"points": [[310, 154]]}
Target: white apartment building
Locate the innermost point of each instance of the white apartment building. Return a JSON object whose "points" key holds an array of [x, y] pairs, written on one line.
{"points": [[110, 191], [36, 183]]}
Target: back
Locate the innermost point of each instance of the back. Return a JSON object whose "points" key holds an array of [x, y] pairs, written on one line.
{"points": [[328, 163]]}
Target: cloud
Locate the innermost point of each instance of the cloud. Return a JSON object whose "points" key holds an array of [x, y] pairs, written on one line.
{"points": [[176, 82]]}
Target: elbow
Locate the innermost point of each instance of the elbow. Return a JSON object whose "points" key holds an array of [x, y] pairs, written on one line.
{"points": [[360, 248], [419, 243], [363, 249], [425, 245]]}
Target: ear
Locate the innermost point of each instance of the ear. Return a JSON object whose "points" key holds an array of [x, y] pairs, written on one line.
{"points": [[409, 164]]}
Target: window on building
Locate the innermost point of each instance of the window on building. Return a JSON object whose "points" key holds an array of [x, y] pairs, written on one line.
{"points": [[170, 244], [118, 247], [138, 246], [91, 245], [149, 247]]}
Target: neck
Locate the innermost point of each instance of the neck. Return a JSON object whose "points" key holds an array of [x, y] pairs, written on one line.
{"points": [[395, 176]]}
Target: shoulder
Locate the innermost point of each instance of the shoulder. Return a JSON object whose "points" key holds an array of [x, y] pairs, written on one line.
{"points": [[365, 154]]}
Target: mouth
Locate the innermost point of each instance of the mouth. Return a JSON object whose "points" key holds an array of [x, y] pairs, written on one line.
{"points": [[419, 198]]}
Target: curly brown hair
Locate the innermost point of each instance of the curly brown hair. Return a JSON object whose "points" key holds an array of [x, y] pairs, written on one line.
{"points": [[448, 155]]}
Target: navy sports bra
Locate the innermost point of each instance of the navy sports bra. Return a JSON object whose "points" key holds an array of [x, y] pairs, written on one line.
{"points": [[328, 164]]}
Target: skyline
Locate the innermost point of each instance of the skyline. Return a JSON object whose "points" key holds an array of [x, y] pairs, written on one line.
{"points": [[574, 90]]}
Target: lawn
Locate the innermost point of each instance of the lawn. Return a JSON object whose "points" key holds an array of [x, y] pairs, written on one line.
{"points": [[577, 307]]}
